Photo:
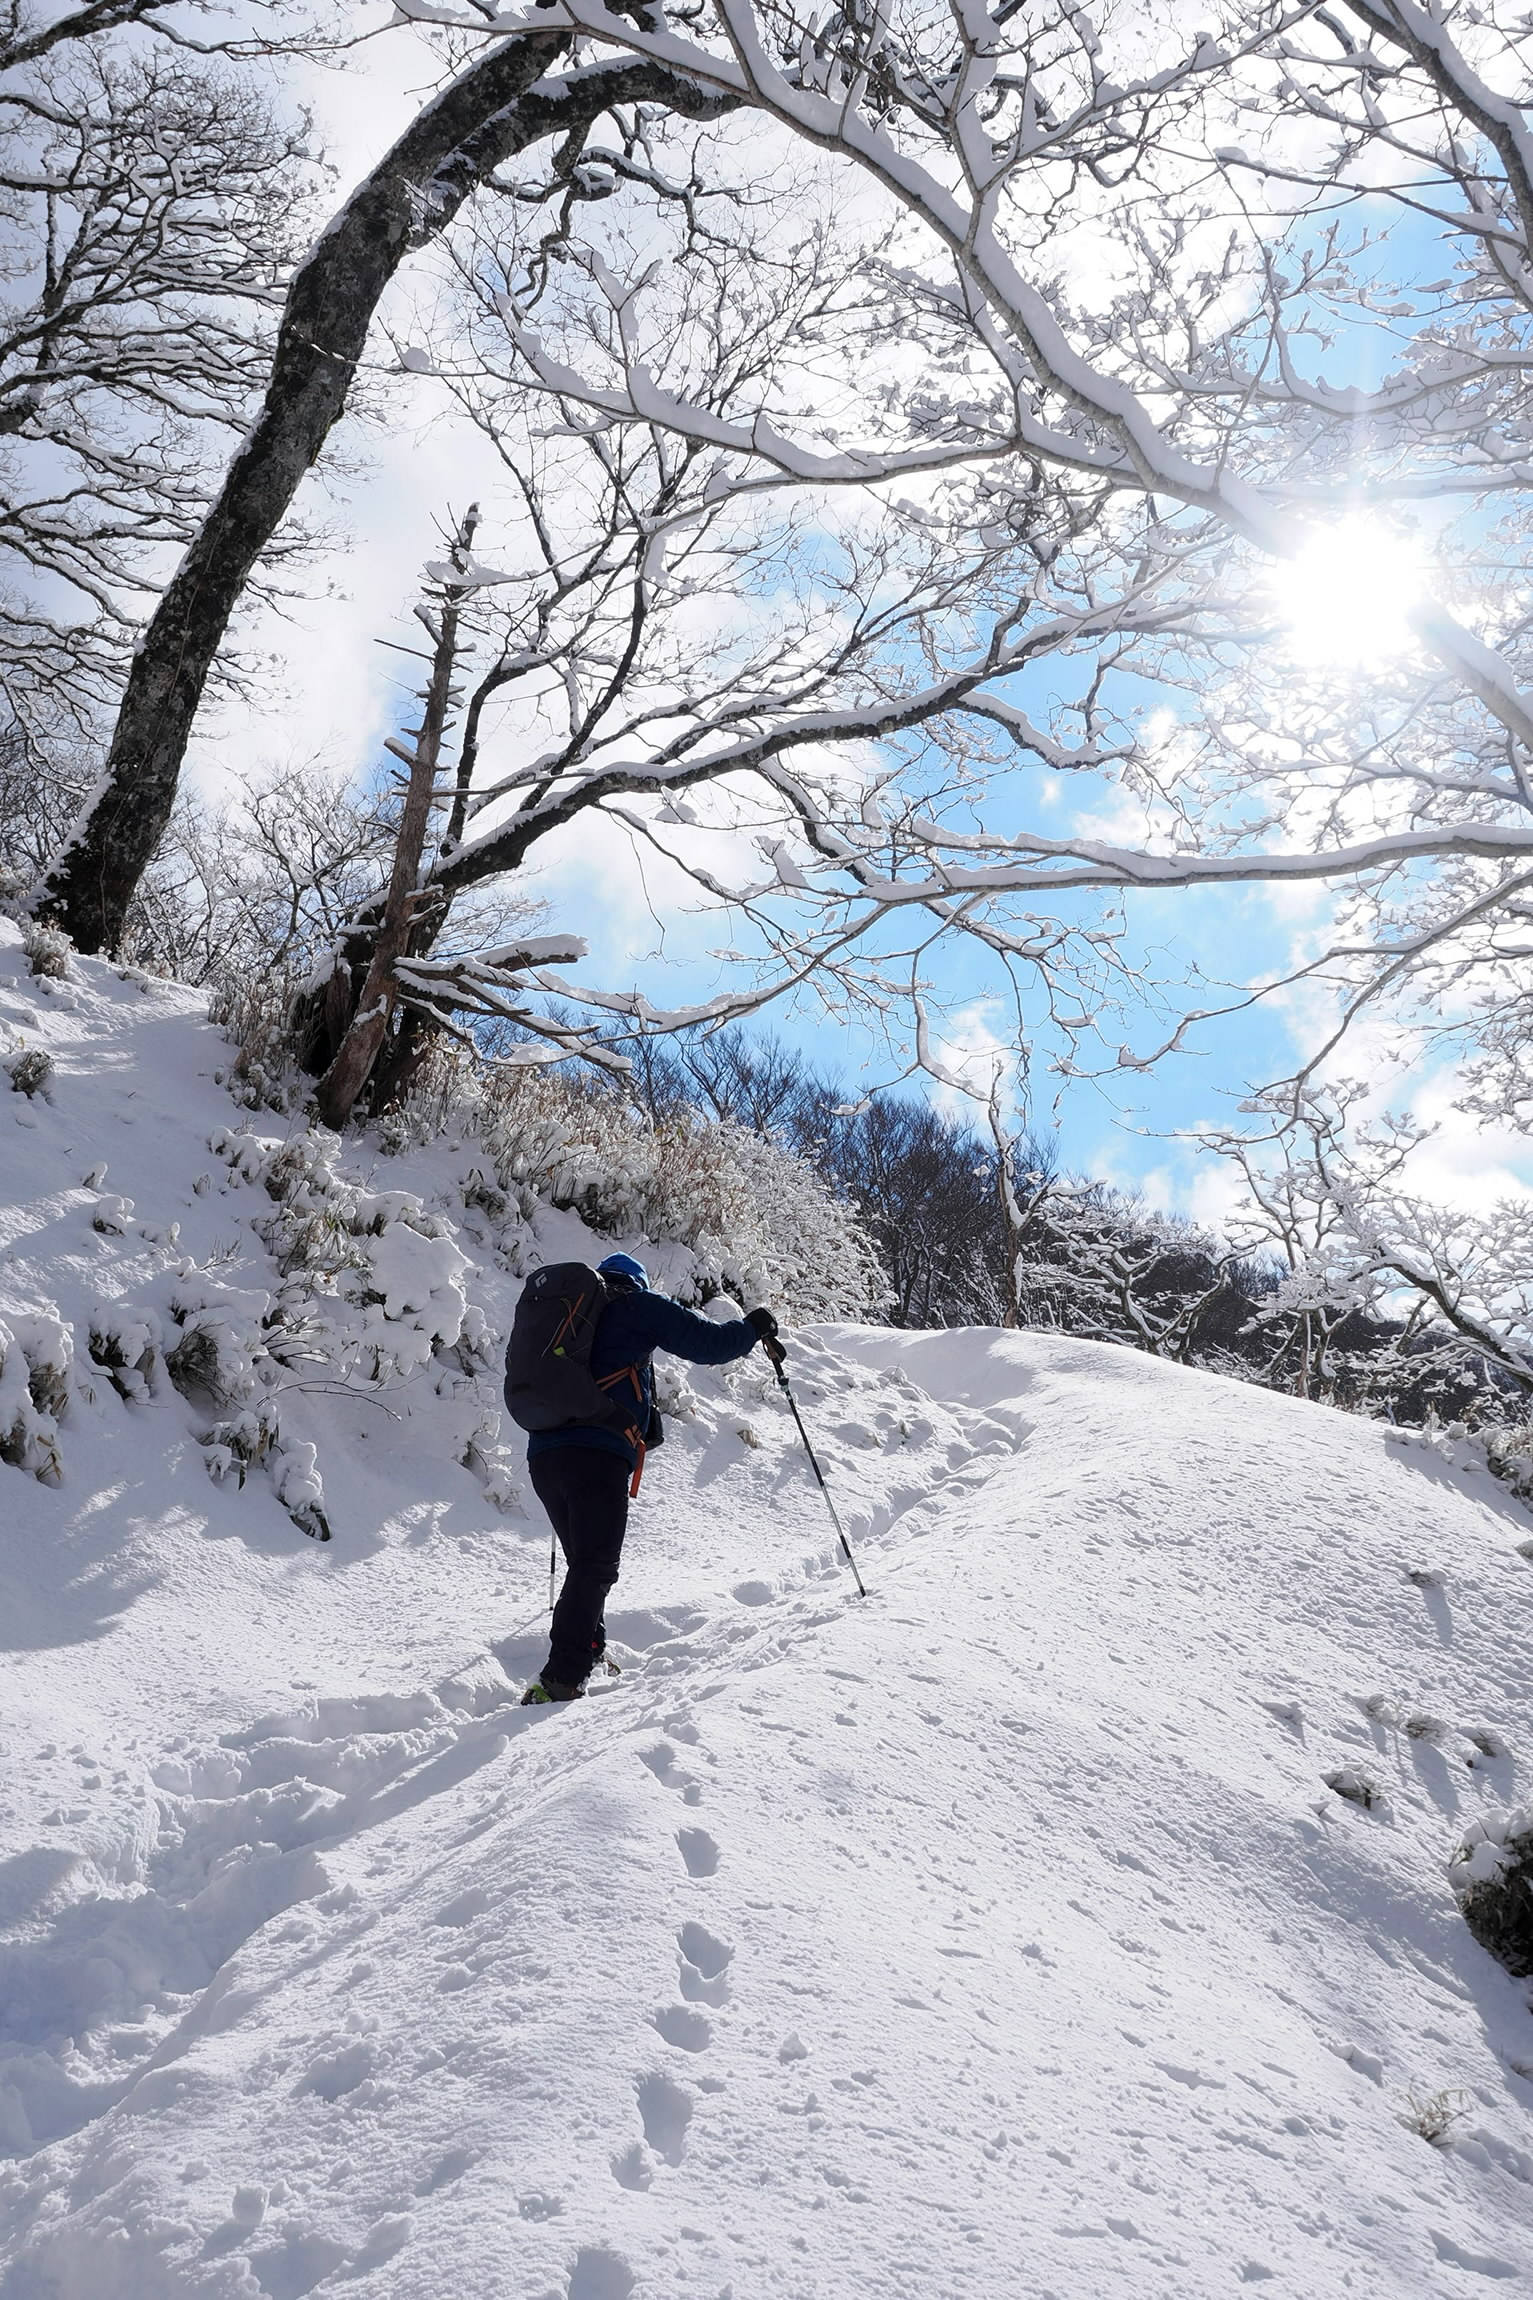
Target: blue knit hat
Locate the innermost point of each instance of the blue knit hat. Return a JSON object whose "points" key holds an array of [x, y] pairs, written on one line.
{"points": [[624, 1266]]}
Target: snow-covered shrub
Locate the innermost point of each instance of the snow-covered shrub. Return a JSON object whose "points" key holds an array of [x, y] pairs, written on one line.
{"points": [[490, 1199], [492, 1465], [221, 1337], [757, 1218], [111, 1215], [294, 1468], [1504, 1448], [310, 1233], [373, 1284], [477, 1349], [674, 1394], [47, 951], [1356, 1786], [1491, 1872], [785, 1237], [194, 1365], [253, 1439], [412, 1297], [442, 1090], [244, 1154], [760, 1221], [300, 1172], [127, 1343], [1509, 1456], [36, 1356], [234, 1446], [1432, 2115], [314, 1241], [30, 1072], [253, 1009]]}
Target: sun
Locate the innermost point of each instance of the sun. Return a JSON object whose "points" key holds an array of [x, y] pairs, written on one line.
{"points": [[1346, 596]]}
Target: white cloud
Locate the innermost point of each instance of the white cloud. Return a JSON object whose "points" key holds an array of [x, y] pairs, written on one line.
{"points": [[1463, 1163]]}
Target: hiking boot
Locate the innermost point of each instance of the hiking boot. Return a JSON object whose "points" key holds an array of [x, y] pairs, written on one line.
{"points": [[549, 1689]]}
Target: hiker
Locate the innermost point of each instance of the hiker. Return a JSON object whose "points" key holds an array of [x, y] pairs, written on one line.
{"points": [[585, 1472]]}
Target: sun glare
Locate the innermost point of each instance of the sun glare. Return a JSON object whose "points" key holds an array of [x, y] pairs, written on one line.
{"points": [[1346, 596]]}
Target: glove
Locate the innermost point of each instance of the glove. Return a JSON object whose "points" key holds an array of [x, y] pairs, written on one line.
{"points": [[764, 1326]]}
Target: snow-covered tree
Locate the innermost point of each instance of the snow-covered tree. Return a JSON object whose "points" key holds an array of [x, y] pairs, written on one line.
{"points": [[665, 628], [511, 97], [153, 201], [1335, 1202]]}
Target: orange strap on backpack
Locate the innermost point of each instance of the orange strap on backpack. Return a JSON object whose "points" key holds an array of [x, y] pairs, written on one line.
{"points": [[632, 1433]]}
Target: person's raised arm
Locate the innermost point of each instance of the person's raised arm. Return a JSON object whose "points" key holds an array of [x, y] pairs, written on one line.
{"points": [[703, 1341]]}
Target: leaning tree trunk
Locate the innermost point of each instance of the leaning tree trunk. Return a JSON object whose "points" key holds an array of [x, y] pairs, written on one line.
{"points": [[336, 1095], [489, 113]]}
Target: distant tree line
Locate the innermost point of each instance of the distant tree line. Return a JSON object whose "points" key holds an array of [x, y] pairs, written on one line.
{"points": [[970, 1232]]}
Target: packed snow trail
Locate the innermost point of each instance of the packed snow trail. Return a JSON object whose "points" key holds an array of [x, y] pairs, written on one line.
{"points": [[995, 1937]]}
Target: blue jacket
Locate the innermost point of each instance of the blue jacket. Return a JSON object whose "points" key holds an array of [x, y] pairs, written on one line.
{"points": [[632, 1325]]}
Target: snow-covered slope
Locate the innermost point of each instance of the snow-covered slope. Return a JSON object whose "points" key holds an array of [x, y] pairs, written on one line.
{"points": [[996, 1936]]}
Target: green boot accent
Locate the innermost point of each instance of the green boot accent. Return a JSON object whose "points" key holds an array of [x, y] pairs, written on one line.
{"points": [[539, 1692]]}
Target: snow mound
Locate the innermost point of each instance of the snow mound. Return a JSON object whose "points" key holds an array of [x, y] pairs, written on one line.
{"points": [[995, 1935]]}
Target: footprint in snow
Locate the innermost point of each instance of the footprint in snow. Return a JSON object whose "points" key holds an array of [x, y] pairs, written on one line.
{"points": [[1193, 2078], [462, 1910], [335, 2074], [665, 2111], [699, 1852], [704, 1965], [689, 2031], [286, 2271], [661, 1760], [447, 2169], [1478, 2263], [599, 2275]]}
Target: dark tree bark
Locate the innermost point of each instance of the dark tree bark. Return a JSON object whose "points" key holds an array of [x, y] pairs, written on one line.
{"points": [[488, 114], [336, 1094]]}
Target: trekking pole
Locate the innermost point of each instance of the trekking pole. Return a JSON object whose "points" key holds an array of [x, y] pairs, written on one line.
{"points": [[779, 1358], [553, 1567]]}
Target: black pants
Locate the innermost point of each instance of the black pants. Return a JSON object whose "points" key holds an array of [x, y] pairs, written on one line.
{"points": [[585, 1493]]}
